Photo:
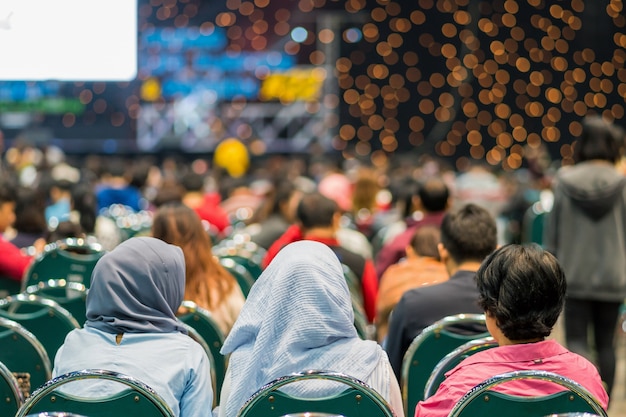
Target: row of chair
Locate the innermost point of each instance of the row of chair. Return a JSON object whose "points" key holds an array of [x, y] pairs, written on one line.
{"points": [[356, 399]]}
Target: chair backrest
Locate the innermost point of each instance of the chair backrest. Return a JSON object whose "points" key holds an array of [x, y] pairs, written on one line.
{"points": [[22, 353], [429, 347], [533, 223], [241, 274], [357, 400], [44, 318], [70, 295], [201, 320], [137, 399], [11, 397], [242, 250], [71, 259], [9, 286], [483, 400], [452, 359], [252, 265]]}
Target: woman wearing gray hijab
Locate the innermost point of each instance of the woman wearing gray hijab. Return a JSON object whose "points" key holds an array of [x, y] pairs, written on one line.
{"points": [[132, 328], [299, 316]]}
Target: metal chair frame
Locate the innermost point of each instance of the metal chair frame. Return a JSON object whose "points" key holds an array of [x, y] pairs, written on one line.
{"points": [[453, 358], [357, 391], [483, 392], [412, 394], [50, 387]]}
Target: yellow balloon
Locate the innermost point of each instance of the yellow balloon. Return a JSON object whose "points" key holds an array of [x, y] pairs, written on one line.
{"points": [[232, 155]]}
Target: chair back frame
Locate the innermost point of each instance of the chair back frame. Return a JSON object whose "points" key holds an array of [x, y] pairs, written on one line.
{"points": [[357, 393], [14, 397], [42, 371], [137, 386], [483, 392], [452, 359], [413, 382]]}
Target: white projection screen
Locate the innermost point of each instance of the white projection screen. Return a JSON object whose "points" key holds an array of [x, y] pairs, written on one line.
{"points": [[68, 40]]}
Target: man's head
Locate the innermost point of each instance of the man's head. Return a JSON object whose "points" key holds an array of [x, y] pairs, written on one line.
{"points": [[523, 289], [317, 211], [424, 242], [432, 195], [467, 235]]}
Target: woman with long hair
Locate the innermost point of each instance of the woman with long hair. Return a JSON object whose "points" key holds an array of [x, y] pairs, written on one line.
{"points": [[208, 284]]}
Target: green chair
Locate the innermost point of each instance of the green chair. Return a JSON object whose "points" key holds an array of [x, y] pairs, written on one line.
{"points": [[70, 295], [357, 400], [429, 347], [482, 400], [363, 328], [533, 223], [44, 318], [137, 399], [22, 353], [71, 259], [240, 248], [9, 286], [201, 320], [11, 397], [452, 359], [241, 274]]}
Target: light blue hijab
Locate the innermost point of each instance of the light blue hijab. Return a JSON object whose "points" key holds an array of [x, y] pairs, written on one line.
{"points": [[137, 288], [298, 316]]}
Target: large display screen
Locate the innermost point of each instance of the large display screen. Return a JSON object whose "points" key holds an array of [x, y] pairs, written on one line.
{"points": [[74, 40]]}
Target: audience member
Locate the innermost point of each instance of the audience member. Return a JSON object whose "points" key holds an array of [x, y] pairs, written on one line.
{"points": [[522, 290], [299, 316], [479, 185], [468, 235], [30, 221], [13, 262], [208, 284], [281, 216], [205, 204], [132, 328], [429, 205], [422, 267], [115, 187], [318, 219], [585, 230]]}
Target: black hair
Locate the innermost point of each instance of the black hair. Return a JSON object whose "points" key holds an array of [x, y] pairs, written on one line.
{"points": [[434, 194], [424, 241], [30, 211], [8, 192], [85, 203], [316, 210], [599, 140], [523, 288], [192, 181], [469, 233]]}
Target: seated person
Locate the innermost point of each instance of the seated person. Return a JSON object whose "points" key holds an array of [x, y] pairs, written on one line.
{"points": [[208, 283], [13, 261], [421, 267], [319, 219], [522, 291], [132, 328], [468, 235], [298, 316]]}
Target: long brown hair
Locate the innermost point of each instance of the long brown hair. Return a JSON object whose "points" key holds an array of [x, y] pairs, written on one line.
{"points": [[207, 283]]}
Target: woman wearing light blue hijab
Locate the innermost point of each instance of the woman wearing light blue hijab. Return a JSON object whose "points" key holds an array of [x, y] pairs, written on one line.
{"points": [[132, 328], [298, 316]]}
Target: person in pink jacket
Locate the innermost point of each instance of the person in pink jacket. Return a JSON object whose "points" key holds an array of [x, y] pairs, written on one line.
{"points": [[522, 291]]}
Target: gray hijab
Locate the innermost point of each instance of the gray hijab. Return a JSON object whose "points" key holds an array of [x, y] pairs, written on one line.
{"points": [[137, 288]]}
